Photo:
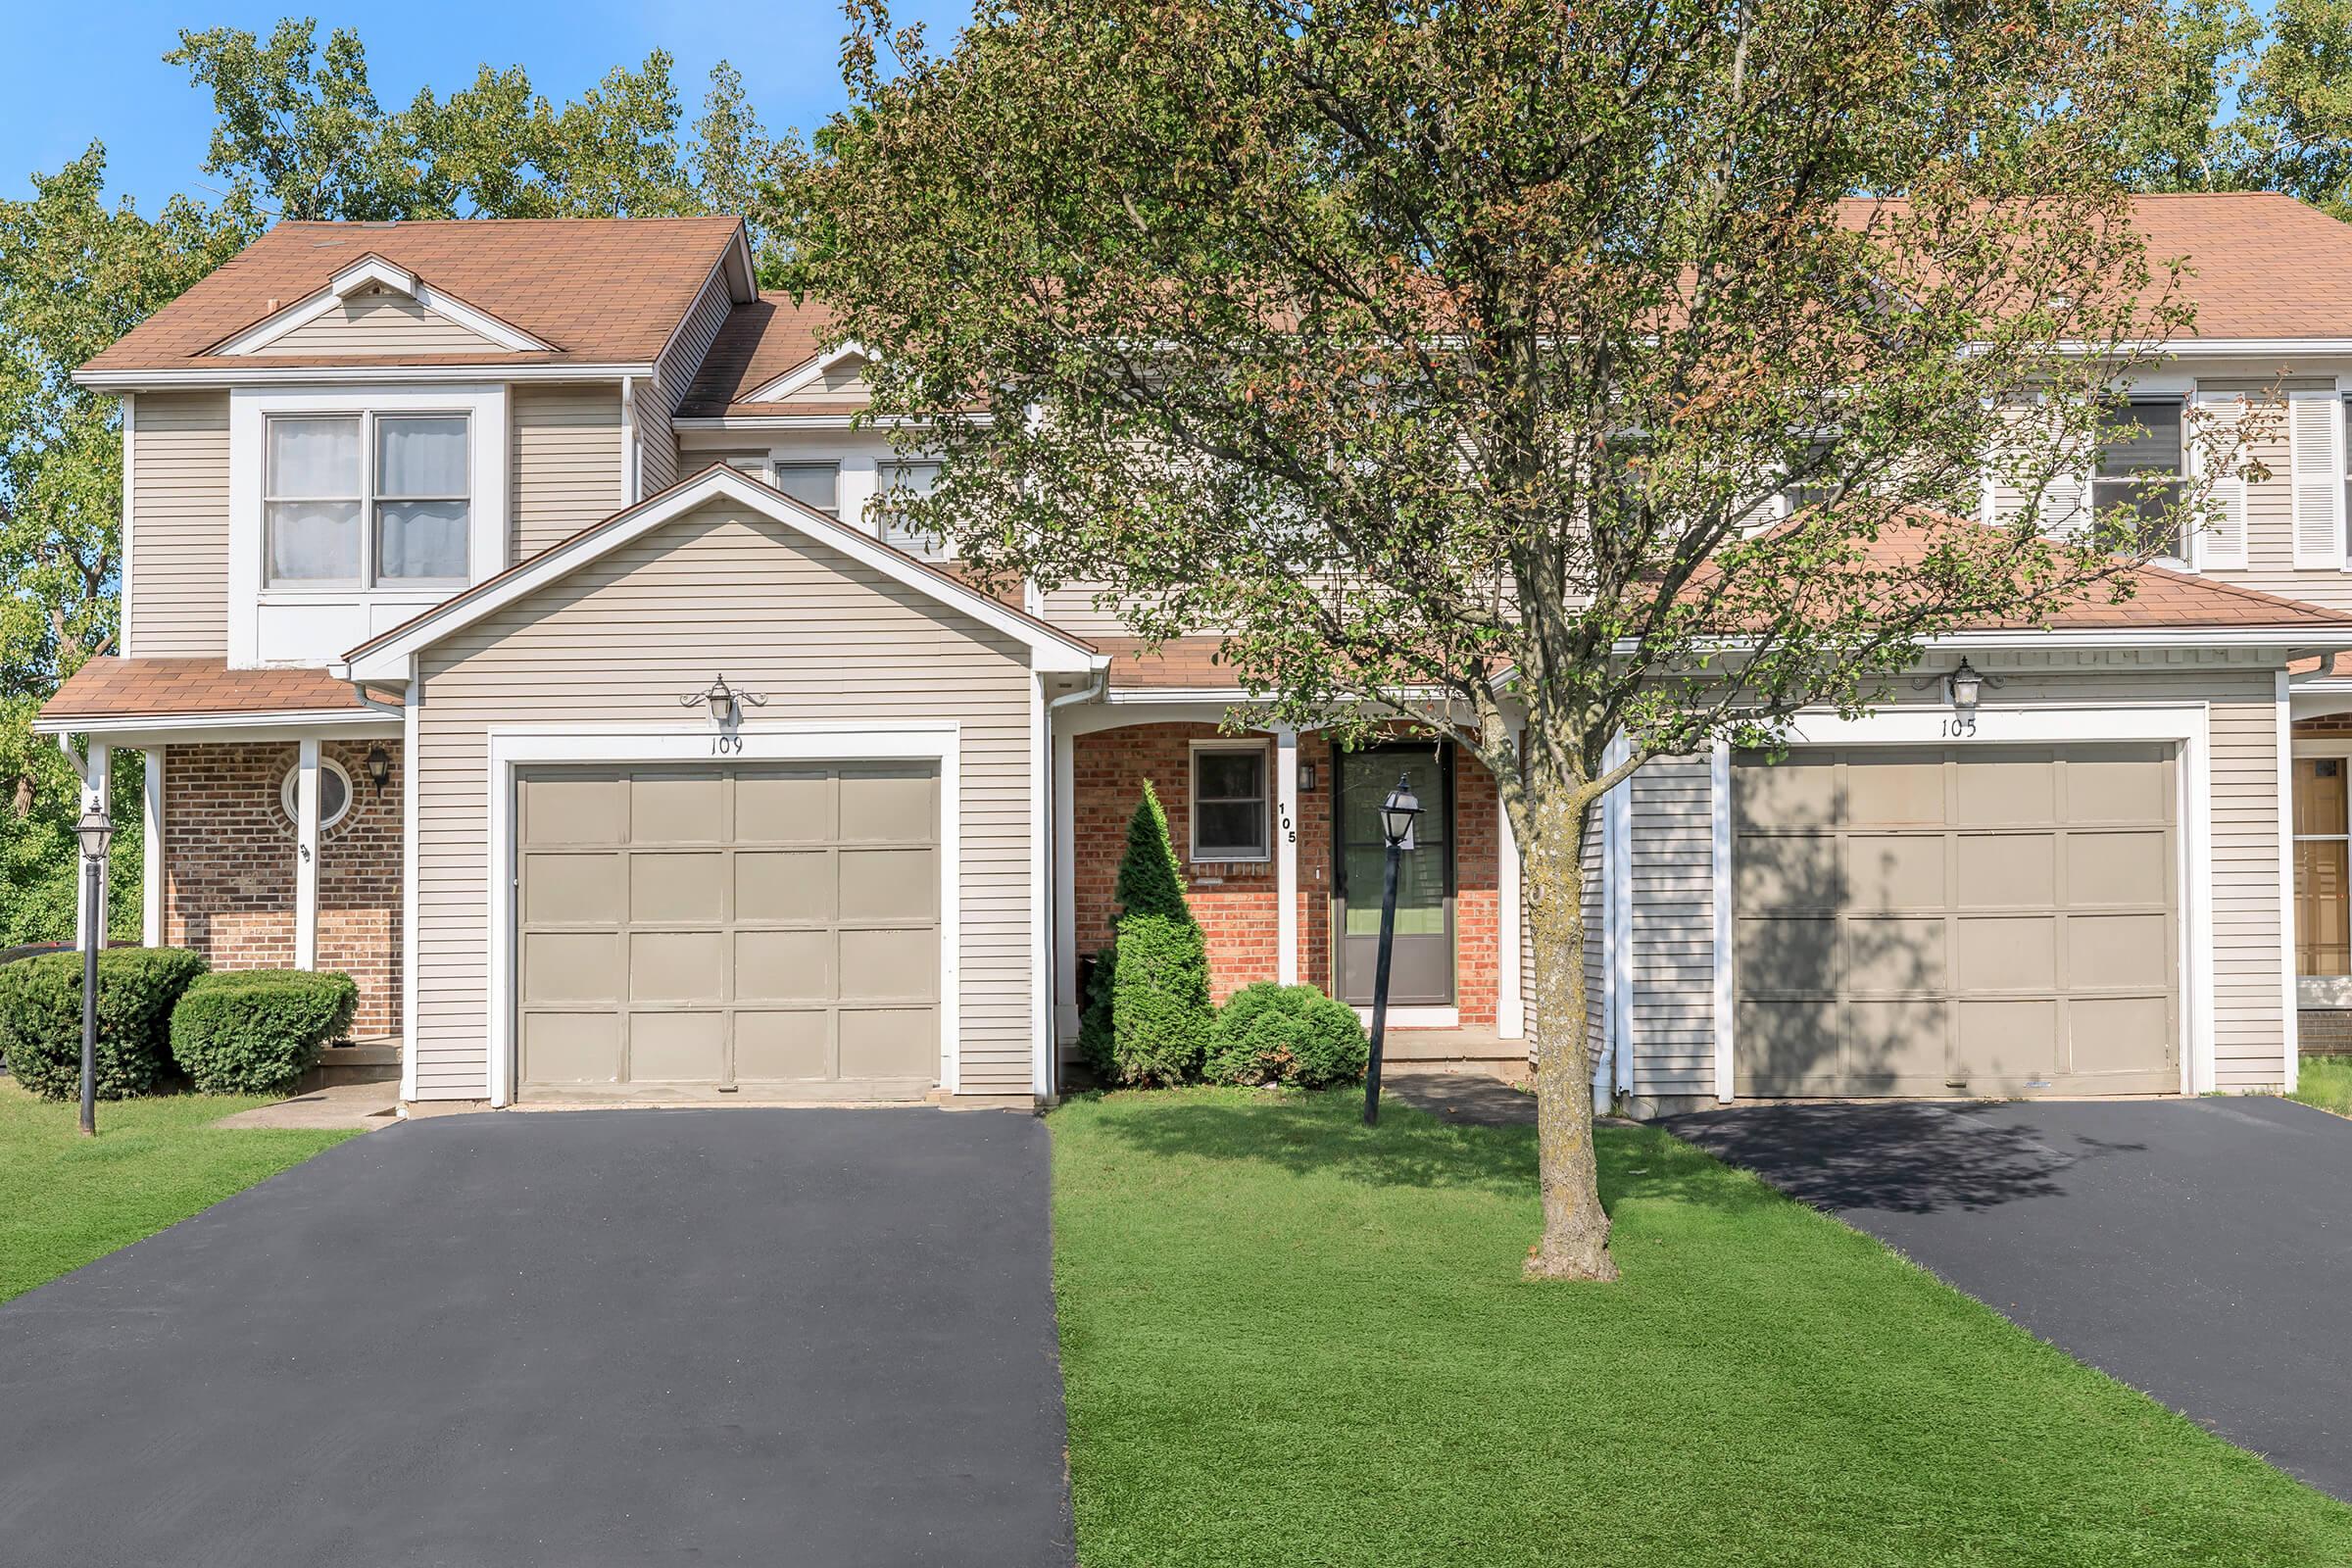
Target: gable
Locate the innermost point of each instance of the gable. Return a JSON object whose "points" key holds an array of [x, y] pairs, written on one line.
{"points": [[379, 320]]}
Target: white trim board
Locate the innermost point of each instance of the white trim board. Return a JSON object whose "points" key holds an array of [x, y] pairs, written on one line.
{"points": [[2289, 1025], [519, 746], [286, 725], [374, 271], [386, 657], [2067, 723], [806, 373]]}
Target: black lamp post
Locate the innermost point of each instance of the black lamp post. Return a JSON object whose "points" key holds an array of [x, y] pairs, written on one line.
{"points": [[1397, 816], [96, 830]]}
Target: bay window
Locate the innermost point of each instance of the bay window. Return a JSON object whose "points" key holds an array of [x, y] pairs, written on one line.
{"points": [[361, 500]]}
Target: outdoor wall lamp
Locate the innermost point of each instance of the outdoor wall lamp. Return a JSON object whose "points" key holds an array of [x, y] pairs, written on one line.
{"points": [[724, 701], [1964, 686], [379, 768]]}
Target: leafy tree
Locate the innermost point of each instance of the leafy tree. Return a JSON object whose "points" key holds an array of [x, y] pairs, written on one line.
{"points": [[1528, 355], [2294, 122]]}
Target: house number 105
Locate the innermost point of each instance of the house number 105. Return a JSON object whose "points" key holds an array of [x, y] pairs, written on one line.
{"points": [[1960, 726]]}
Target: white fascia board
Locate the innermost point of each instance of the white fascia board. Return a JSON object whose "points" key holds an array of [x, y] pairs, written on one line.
{"points": [[275, 725], [265, 375], [386, 659], [807, 370], [2295, 641], [806, 422], [373, 272]]}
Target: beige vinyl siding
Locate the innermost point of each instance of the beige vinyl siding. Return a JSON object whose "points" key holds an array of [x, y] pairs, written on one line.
{"points": [[2271, 504], [564, 468], [657, 457], [2246, 914], [177, 602], [674, 371], [1671, 947], [620, 639], [382, 323]]}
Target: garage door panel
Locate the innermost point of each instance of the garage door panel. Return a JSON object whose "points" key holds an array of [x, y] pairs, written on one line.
{"points": [[785, 966], [1786, 871], [1796, 793], [1895, 871], [1894, 954], [572, 888], [1788, 1048], [889, 1042], [561, 966], [1788, 955], [2123, 784], [1895, 787], [677, 965], [2006, 870], [889, 806], [2118, 868], [569, 1048], [2014, 789], [2119, 951], [889, 965], [676, 888], [889, 885], [789, 806], [785, 886], [1899, 1043], [2119, 1034], [2008, 1042], [573, 810], [677, 1046], [783, 1045], [676, 808], [2006, 953]]}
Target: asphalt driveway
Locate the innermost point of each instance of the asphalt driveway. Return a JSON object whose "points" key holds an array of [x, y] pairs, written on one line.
{"points": [[2189, 1247], [819, 1337]]}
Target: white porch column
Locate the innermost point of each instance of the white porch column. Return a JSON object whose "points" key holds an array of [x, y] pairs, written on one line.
{"points": [[1285, 854], [306, 856], [97, 775], [151, 876], [1511, 1010], [1065, 886]]}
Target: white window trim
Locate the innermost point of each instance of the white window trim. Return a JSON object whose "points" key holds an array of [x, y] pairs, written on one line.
{"points": [[776, 466], [2185, 400], [528, 744], [370, 499], [289, 789], [249, 413], [2188, 726], [1191, 808]]}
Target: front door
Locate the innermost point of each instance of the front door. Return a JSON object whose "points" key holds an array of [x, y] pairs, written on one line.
{"points": [[1421, 972]]}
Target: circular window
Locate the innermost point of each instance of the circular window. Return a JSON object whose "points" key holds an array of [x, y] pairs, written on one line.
{"points": [[334, 793]]}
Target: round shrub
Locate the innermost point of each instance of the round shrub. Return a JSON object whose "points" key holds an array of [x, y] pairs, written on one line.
{"points": [[1296, 1035], [1161, 1011], [40, 1019], [258, 1031]]}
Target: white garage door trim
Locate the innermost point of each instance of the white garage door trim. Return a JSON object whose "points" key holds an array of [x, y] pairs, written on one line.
{"points": [[2187, 724], [521, 746]]}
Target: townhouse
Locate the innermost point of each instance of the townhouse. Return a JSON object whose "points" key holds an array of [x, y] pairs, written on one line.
{"points": [[513, 618]]}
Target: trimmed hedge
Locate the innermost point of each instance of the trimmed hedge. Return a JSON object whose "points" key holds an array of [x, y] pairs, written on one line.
{"points": [[1159, 1007], [258, 1031], [1095, 1031], [1295, 1035], [41, 1018]]}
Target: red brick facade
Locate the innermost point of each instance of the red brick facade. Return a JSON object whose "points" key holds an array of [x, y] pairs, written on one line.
{"points": [[1238, 901], [228, 868]]}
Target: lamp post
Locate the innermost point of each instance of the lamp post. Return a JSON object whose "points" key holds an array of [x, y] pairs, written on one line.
{"points": [[96, 830], [1397, 816]]}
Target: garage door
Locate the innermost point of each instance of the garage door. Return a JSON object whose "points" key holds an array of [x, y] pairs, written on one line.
{"points": [[1981, 921], [716, 928]]}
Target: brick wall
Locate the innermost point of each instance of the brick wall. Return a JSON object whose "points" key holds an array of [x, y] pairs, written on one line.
{"points": [[228, 868], [2323, 1031], [1237, 903]]}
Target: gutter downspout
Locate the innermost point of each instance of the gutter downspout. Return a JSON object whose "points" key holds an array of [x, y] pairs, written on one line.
{"points": [[1093, 691]]}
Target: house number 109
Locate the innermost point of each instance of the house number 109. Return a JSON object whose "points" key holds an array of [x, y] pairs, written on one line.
{"points": [[725, 745]]}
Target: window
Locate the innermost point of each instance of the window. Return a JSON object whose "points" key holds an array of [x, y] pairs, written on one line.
{"points": [[2323, 866], [2141, 469], [1229, 803], [353, 500], [1813, 483], [909, 480], [813, 484], [334, 793]]}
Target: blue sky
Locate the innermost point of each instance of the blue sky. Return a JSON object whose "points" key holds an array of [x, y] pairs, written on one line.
{"points": [[76, 70]]}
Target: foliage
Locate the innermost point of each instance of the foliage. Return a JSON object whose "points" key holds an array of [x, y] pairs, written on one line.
{"points": [[1151, 879], [2324, 1081], [66, 1200], [1255, 1284], [1161, 1011], [2294, 118], [1527, 372], [41, 1018], [258, 1031], [1096, 1011], [1292, 1034]]}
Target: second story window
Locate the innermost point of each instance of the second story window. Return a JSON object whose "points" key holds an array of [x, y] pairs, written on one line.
{"points": [[354, 500], [813, 484], [906, 480], [2141, 470]]}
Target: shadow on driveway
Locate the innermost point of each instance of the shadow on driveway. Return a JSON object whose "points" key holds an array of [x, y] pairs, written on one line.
{"points": [[2187, 1246], [749, 1336]]}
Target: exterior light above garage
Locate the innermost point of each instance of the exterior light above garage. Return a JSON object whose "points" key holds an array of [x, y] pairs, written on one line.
{"points": [[1966, 686], [724, 700]]}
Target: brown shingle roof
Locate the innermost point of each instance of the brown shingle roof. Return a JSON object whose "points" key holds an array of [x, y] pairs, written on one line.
{"points": [[600, 290], [1185, 664], [760, 342], [191, 688]]}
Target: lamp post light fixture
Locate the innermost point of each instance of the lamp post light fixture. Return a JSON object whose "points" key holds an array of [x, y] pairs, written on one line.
{"points": [[96, 830], [724, 701], [1397, 815]]}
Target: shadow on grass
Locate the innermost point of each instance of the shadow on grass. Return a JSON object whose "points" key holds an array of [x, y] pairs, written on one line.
{"points": [[1322, 1134], [1898, 1158]]}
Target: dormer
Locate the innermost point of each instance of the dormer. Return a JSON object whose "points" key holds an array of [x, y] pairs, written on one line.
{"points": [[376, 305]]}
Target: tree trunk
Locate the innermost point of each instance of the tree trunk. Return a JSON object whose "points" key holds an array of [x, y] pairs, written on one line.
{"points": [[1576, 1229]]}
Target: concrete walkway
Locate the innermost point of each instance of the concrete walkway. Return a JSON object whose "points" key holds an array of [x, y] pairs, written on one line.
{"points": [[362, 1106], [819, 1337]]}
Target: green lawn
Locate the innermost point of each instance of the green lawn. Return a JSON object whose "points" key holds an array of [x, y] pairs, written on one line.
{"points": [[66, 1200], [2324, 1082], [1291, 1341]]}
